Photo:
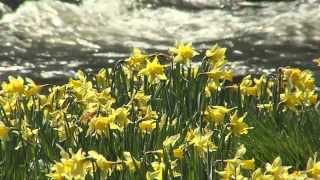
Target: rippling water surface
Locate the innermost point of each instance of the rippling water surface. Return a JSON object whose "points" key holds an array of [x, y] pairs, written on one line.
{"points": [[50, 40]]}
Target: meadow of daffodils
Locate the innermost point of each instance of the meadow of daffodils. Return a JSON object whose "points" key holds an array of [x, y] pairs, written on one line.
{"points": [[161, 116]]}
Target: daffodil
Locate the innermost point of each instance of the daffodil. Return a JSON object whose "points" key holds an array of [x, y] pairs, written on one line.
{"points": [[317, 61], [154, 71], [131, 162], [313, 168], [276, 169], [107, 167], [29, 134], [201, 141], [230, 172], [121, 117], [4, 131], [147, 126], [216, 55], [259, 175], [141, 99], [247, 87], [238, 126], [100, 125], [101, 78], [137, 60], [217, 74], [32, 88], [234, 166], [159, 169], [291, 99], [216, 114], [75, 166], [302, 80], [183, 53], [15, 85]]}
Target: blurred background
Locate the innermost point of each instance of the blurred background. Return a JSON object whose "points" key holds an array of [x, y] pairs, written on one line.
{"points": [[49, 40]]}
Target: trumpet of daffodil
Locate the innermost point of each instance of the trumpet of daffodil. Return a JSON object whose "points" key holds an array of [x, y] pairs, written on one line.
{"points": [[216, 55], [159, 170], [313, 168], [137, 60], [216, 114], [15, 85], [107, 167], [131, 162], [147, 113], [276, 169], [141, 100], [238, 161], [121, 117], [231, 172], [309, 98], [293, 75], [259, 175], [4, 131], [308, 80], [261, 85], [170, 142], [217, 74], [100, 125], [29, 134], [147, 126], [238, 126], [101, 78], [183, 53], [317, 61], [247, 87], [154, 71], [32, 89], [291, 99], [233, 167], [74, 166], [201, 141]]}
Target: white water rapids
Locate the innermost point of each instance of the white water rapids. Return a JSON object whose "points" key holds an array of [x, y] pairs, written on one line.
{"points": [[50, 39]]}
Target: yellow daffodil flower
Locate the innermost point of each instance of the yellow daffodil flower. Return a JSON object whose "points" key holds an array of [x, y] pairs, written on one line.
{"points": [[159, 168], [32, 88], [131, 162], [216, 114], [313, 168], [276, 169], [75, 166], [137, 60], [237, 126], [216, 55], [183, 53], [147, 126], [201, 142], [4, 131], [154, 71], [15, 85]]}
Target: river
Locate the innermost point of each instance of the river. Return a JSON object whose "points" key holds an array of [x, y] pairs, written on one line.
{"points": [[49, 40]]}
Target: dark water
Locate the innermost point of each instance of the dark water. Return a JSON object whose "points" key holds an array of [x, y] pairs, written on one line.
{"points": [[49, 40]]}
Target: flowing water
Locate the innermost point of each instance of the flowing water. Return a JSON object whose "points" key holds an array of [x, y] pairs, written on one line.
{"points": [[50, 40]]}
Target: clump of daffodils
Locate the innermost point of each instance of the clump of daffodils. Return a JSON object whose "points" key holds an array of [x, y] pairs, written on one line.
{"points": [[169, 115], [299, 89], [217, 73]]}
